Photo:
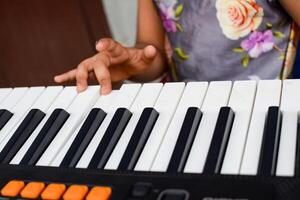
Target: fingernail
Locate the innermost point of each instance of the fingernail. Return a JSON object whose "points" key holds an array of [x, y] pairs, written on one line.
{"points": [[100, 45]]}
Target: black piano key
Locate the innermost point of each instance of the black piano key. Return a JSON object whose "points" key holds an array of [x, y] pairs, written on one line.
{"points": [[297, 159], [138, 139], [83, 138], [27, 126], [5, 115], [110, 138], [270, 142], [54, 123], [185, 140], [217, 149]]}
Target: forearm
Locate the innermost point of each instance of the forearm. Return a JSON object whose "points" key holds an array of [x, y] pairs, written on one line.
{"points": [[293, 8], [150, 31]]}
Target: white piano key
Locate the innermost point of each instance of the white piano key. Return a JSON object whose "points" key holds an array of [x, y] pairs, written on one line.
{"points": [[4, 92], [193, 96], [43, 102], [268, 94], [46, 98], [8, 103], [13, 98], [290, 106], [61, 154], [77, 110], [241, 101], [19, 111], [124, 98], [63, 100], [145, 98], [216, 97], [104, 102], [165, 106]]}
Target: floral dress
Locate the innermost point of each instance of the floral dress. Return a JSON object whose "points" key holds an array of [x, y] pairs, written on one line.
{"points": [[228, 39]]}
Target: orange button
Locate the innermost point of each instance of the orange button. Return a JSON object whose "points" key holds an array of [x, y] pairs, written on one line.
{"points": [[99, 193], [12, 188], [53, 191], [32, 190], [76, 192]]}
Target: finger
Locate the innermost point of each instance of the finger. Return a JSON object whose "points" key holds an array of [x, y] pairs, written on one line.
{"points": [[149, 53], [140, 59], [68, 76], [103, 77], [105, 44], [113, 49], [101, 44], [82, 75]]}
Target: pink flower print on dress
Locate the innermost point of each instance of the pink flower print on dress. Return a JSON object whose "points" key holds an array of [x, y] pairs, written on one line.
{"points": [[238, 18], [258, 43], [168, 16]]}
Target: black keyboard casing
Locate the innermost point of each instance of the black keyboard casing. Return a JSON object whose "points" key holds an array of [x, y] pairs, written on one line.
{"points": [[213, 187]]}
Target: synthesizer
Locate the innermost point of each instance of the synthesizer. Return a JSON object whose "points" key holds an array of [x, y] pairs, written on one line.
{"points": [[217, 140]]}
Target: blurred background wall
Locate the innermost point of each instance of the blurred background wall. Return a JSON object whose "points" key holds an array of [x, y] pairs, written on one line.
{"points": [[121, 16], [42, 38]]}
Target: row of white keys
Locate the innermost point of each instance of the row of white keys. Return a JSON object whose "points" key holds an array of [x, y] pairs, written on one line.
{"points": [[104, 102], [145, 98], [268, 94], [19, 111], [62, 101], [13, 98], [4, 92], [290, 107], [241, 101], [217, 96], [124, 99], [77, 110], [193, 96], [47, 97], [9, 102], [44, 101], [166, 105]]}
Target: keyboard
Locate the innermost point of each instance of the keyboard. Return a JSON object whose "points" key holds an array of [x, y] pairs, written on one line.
{"points": [[174, 141]]}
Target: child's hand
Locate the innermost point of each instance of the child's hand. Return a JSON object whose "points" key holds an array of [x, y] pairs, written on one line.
{"points": [[114, 62]]}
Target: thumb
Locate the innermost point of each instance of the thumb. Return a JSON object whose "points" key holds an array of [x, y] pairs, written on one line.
{"points": [[149, 53]]}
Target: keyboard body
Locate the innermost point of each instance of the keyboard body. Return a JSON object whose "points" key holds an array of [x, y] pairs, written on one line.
{"points": [[148, 141], [198, 186]]}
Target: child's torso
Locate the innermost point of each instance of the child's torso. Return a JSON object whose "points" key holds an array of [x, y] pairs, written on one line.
{"points": [[226, 39]]}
